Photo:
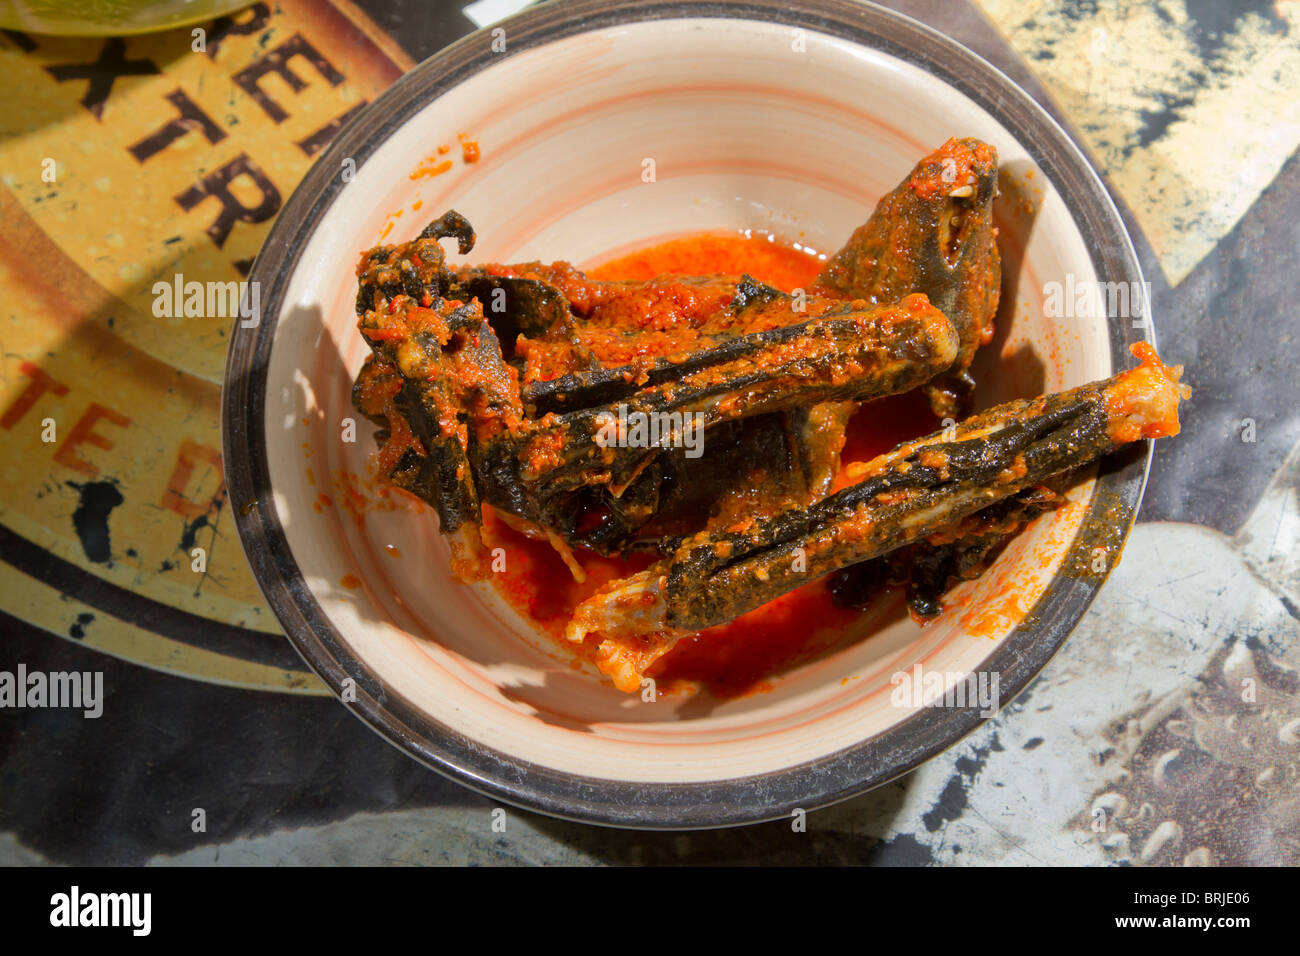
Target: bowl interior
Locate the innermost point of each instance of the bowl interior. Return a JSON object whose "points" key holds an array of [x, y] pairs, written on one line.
{"points": [[748, 125]]}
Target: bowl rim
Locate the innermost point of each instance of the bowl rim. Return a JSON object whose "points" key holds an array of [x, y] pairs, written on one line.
{"points": [[667, 806]]}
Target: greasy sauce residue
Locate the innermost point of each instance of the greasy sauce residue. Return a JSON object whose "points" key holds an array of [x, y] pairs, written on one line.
{"points": [[360, 495], [468, 148], [992, 617], [430, 167], [733, 659], [350, 581], [435, 165]]}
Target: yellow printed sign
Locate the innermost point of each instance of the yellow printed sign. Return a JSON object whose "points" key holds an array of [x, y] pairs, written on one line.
{"points": [[130, 166]]}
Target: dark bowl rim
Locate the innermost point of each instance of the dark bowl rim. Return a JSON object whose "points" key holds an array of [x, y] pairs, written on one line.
{"points": [[670, 806]]}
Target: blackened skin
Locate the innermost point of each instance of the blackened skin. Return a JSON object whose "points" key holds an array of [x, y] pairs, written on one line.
{"points": [[922, 238], [718, 577], [451, 225], [858, 585], [958, 552]]}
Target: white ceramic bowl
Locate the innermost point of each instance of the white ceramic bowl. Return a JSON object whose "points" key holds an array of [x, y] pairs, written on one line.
{"points": [[792, 118]]}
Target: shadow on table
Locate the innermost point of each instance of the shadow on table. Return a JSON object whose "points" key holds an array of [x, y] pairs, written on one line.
{"points": [[846, 834]]}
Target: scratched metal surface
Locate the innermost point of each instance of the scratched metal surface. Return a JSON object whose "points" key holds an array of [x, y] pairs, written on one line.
{"points": [[1189, 109]]}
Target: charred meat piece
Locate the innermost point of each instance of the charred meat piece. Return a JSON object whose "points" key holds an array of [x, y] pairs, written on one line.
{"points": [[934, 235], [467, 419], [917, 490], [614, 324], [959, 552], [437, 386], [963, 551], [844, 355], [417, 269]]}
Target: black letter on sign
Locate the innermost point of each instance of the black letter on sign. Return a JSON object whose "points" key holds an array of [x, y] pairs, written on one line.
{"points": [[277, 61], [111, 64], [228, 26], [318, 140], [191, 118], [217, 184]]}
